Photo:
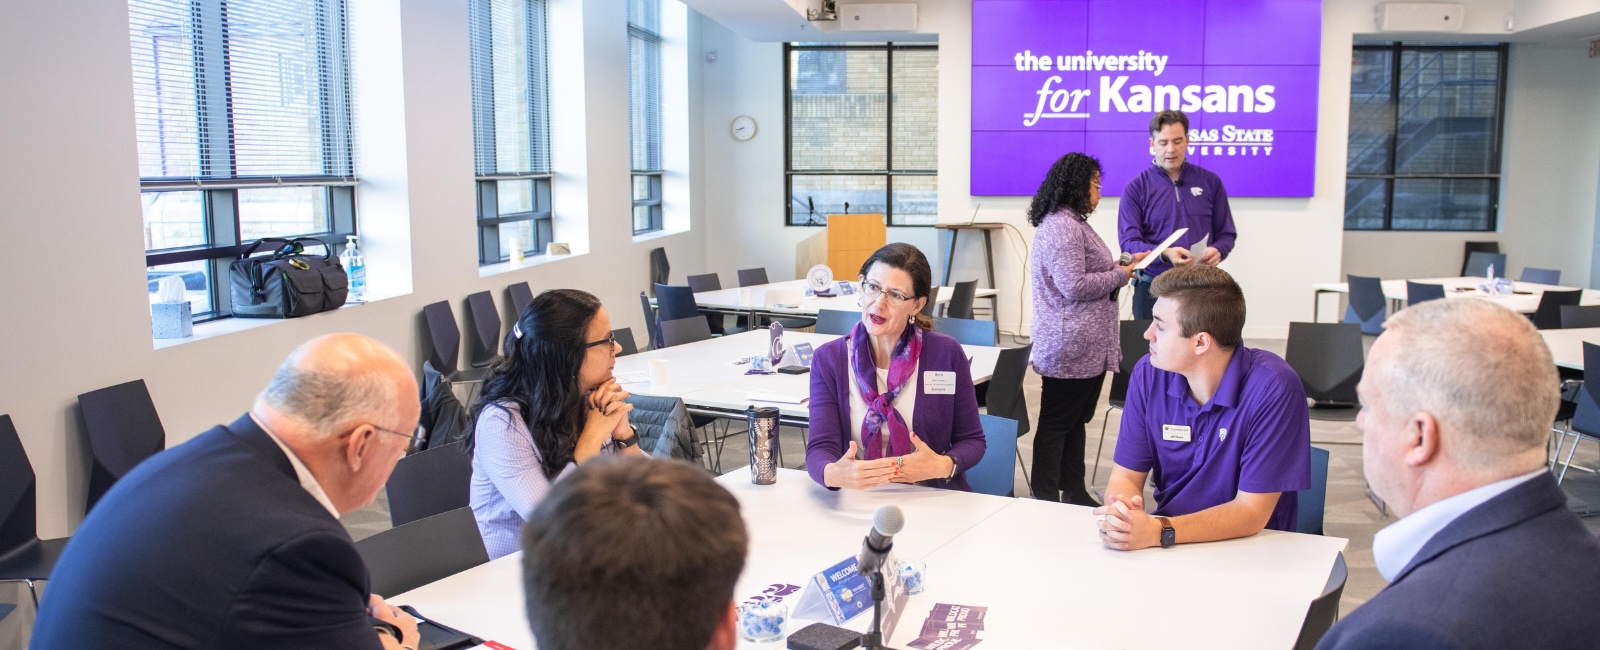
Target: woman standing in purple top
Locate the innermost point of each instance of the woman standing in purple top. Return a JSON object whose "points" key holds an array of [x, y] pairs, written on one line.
{"points": [[1074, 322], [892, 401]]}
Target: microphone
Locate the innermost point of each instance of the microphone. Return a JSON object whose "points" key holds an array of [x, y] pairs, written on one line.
{"points": [[886, 522]]}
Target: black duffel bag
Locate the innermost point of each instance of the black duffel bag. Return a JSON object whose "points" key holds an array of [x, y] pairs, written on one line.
{"points": [[287, 283]]}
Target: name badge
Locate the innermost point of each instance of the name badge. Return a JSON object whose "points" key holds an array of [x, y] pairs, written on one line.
{"points": [[1174, 433], [935, 382]]}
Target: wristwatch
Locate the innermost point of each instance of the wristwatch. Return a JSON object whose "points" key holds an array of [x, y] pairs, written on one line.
{"points": [[384, 627], [630, 440], [1169, 535], [954, 467]]}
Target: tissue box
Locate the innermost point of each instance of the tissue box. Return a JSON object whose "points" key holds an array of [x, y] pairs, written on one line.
{"points": [[171, 320]]}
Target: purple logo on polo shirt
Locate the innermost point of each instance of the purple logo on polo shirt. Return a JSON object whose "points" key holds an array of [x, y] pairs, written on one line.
{"points": [[1053, 76]]}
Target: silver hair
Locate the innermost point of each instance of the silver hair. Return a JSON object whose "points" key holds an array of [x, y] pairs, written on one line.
{"points": [[1481, 370], [329, 403]]}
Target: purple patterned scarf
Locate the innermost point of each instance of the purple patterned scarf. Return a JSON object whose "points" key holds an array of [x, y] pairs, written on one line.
{"points": [[880, 407]]}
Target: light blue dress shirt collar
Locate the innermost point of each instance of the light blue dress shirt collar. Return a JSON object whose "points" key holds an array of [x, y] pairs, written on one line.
{"points": [[1395, 546]]}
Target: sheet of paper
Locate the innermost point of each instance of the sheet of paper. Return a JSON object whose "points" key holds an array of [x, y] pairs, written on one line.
{"points": [[1155, 254]]}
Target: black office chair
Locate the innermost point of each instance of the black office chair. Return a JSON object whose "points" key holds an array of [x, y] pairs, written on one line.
{"points": [[483, 347], [1585, 422], [23, 556], [684, 330], [659, 269], [444, 345], [123, 429], [1005, 396], [968, 331], [624, 339], [427, 483], [1477, 247], [1130, 335], [1575, 316], [1367, 305], [521, 296], [963, 294], [836, 321], [709, 282], [650, 324], [1548, 315], [424, 551], [1541, 276], [928, 307], [758, 276], [1329, 359], [1478, 264], [1324, 609], [1421, 292]]}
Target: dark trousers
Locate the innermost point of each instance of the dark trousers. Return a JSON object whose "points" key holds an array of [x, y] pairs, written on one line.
{"points": [[1065, 405], [1143, 302]]}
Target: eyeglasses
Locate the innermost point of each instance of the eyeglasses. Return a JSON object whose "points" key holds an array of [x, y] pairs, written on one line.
{"points": [[414, 440], [610, 338], [870, 291], [1095, 185]]}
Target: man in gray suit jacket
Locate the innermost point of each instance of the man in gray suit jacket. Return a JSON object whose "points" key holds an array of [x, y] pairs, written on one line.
{"points": [[1457, 401], [232, 540]]}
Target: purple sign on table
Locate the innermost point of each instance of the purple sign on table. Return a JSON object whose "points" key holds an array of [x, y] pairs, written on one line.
{"points": [[1056, 76]]}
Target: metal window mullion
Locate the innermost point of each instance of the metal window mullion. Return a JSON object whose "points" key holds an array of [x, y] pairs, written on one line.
{"points": [[1394, 131], [788, 135], [888, 136], [212, 98]]}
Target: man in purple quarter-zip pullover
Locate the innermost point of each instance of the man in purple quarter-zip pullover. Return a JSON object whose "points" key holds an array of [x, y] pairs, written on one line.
{"points": [[1170, 194]]}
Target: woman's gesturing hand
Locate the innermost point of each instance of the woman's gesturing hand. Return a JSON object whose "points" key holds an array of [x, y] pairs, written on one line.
{"points": [[847, 472], [921, 464]]}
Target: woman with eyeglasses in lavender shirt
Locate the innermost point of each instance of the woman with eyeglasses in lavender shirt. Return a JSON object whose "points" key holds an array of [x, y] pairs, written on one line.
{"points": [[550, 403], [892, 401]]}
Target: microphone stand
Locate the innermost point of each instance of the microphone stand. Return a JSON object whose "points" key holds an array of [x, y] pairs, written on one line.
{"points": [[872, 566], [873, 639]]}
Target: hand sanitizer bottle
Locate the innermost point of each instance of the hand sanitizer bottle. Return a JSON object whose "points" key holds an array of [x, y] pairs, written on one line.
{"points": [[355, 264]]}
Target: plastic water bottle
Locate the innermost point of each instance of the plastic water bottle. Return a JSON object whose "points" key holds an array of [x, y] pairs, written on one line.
{"points": [[355, 264]]}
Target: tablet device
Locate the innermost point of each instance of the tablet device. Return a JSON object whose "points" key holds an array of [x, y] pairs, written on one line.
{"points": [[1156, 252]]}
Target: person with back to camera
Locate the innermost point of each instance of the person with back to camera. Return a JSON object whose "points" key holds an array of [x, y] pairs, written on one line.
{"points": [[1075, 338], [892, 401], [550, 402]]}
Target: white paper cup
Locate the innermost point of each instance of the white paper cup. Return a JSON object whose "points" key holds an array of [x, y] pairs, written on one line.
{"points": [[658, 372]]}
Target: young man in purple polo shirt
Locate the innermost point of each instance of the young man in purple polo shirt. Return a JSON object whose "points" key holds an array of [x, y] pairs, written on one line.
{"points": [[1223, 428], [1171, 194]]}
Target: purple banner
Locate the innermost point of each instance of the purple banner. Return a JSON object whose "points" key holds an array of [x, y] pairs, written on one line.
{"points": [[1051, 77]]}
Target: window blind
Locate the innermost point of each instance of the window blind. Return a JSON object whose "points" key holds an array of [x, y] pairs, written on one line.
{"points": [[644, 84], [510, 87], [230, 89]]}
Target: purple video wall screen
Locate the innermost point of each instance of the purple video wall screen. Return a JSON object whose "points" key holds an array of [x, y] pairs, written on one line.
{"points": [[1055, 76]]}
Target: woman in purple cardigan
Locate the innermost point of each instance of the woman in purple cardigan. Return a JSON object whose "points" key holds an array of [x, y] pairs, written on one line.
{"points": [[1075, 340], [892, 401]]}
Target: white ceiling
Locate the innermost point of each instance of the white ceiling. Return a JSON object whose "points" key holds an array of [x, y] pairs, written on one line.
{"points": [[773, 21]]}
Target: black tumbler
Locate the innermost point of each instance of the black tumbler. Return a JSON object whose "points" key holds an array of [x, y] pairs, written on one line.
{"points": [[763, 422]]}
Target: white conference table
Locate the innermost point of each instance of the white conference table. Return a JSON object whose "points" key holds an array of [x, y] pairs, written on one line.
{"points": [[703, 373], [1039, 568], [1525, 301], [1567, 345], [789, 298]]}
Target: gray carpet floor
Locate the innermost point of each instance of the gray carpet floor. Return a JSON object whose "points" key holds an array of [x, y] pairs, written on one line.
{"points": [[1349, 513]]}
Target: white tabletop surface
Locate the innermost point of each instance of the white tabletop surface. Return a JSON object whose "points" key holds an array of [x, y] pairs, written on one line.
{"points": [[1038, 567], [703, 373], [789, 297], [1567, 345], [1467, 287]]}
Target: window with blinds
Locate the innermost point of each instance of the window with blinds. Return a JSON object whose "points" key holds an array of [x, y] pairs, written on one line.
{"points": [[511, 127], [861, 129], [644, 112], [1426, 123], [243, 120]]}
